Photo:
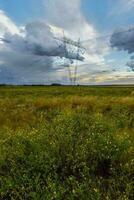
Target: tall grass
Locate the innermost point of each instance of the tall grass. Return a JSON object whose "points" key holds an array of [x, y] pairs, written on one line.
{"points": [[66, 143]]}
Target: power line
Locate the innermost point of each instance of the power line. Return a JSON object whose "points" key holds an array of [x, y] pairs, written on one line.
{"points": [[76, 44], [108, 35]]}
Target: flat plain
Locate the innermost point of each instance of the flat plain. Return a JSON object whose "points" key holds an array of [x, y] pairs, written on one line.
{"points": [[63, 142]]}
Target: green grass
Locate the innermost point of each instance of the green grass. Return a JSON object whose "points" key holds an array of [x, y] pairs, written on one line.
{"points": [[67, 143]]}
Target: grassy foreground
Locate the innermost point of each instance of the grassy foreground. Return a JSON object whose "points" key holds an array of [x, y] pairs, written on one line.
{"points": [[67, 143]]}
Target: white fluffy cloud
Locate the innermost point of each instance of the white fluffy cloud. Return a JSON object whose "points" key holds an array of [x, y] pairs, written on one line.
{"points": [[7, 25], [24, 58], [68, 16], [17, 63]]}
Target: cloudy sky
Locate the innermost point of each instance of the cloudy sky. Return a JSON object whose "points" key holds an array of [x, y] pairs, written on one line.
{"points": [[31, 54]]}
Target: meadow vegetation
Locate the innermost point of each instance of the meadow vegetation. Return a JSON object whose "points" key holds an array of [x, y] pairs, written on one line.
{"points": [[67, 143]]}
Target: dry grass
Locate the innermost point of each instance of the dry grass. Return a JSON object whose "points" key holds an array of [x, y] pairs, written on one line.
{"points": [[66, 143]]}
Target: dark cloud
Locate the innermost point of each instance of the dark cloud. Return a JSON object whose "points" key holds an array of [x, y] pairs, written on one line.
{"points": [[8, 76], [123, 40], [31, 56], [39, 40]]}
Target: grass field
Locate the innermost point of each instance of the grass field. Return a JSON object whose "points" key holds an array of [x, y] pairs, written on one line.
{"points": [[67, 143]]}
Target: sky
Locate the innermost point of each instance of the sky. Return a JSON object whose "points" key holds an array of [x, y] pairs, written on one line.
{"points": [[31, 50]]}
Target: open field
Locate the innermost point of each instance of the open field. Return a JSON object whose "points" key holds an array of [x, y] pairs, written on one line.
{"points": [[67, 143]]}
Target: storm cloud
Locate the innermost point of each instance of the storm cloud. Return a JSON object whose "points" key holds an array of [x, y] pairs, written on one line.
{"points": [[30, 52], [39, 40], [123, 40], [29, 56]]}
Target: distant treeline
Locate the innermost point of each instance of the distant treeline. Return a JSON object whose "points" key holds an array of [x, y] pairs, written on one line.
{"points": [[58, 84]]}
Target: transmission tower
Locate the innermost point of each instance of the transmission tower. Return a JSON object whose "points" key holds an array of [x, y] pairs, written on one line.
{"points": [[76, 65], [64, 40], [79, 50]]}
